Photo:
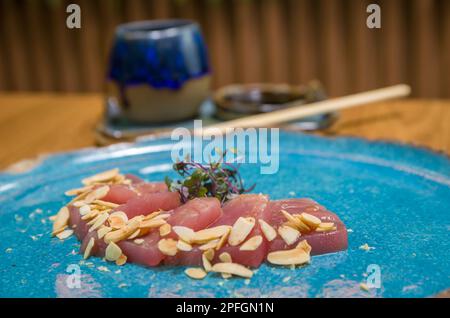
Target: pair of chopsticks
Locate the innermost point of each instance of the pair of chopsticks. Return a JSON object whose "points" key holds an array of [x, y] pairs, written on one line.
{"points": [[296, 111]]}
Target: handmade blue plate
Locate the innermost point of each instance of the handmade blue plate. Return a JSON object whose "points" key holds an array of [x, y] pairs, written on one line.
{"points": [[393, 197]]}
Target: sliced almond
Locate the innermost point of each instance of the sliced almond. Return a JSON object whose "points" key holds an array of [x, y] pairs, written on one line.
{"points": [[225, 257], [121, 260], [84, 209], [101, 232], [117, 219], [101, 219], [163, 216], [310, 220], [61, 220], [165, 229], [211, 233], [304, 246], [91, 215], [241, 229], [123, 232], [209, 254], [101, 177], [106, 204], [89, 246], [296, 256], [112, 252], [269, 232], [195, 273], [252, 243], [151, 215], [64, 234], [79, 204], [152, 223], [295, 220], [288, 234], [232, 268], [183, 246], [210, 245], [223, 240], [206, 263], [78, 191], [184, 233], [168, 247], [97, 194], [139, 241], [134, 234], [326, 226]]}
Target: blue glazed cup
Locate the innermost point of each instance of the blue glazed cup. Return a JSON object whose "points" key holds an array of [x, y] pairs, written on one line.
{"points": [[158, 71]]}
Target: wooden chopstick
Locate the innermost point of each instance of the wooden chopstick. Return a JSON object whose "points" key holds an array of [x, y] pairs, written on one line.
{"points": [[297, 111]]}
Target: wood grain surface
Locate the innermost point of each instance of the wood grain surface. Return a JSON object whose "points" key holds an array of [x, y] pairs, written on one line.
{"points": [[34, 124]]}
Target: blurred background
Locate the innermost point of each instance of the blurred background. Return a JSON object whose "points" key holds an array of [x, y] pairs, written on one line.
{"points": [[290, 41]]}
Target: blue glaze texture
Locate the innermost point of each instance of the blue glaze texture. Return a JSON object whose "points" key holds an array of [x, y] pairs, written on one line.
{"points": [[393, 197]]}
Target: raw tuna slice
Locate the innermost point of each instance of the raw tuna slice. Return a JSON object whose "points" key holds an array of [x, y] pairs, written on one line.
{"points": [[321, 242], [122, 193], [79, 226], [150, 202], [246, 205], [196, 214]]}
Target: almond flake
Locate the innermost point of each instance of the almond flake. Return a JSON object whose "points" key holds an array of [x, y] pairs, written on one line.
{"points": [[240, 230], [64, 234], [183, 246], [210, 244], [326, 226], [206, 263], [97, 194], [195, 273], [123, 232], [301, 225], [268, 231], [138, 241], [151, 215], [84, 209], [168, 247], [209, 254], [150, 224], [61, 220], [101, 177], [184, 233], [225, 257], [117, 219], [101, 219], [310, 220], [296, 256], [223, 240], [232, 268], [106, 204], [165, 229], [112, 252], [134, 234], [295, 221], [364, 287], [211, 233], [163, 216], [304, 246], [78, 191], [101, 232], [121, 260], [91, 215], [252, 243], [89, 246], [288, 234]]}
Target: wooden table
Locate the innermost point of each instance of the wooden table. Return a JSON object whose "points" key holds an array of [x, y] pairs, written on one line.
{"points": [[32, 124]]}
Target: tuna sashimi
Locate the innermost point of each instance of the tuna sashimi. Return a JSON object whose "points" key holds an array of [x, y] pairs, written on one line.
{"points": [[246, 205], [150, 202], [122, 193], [321, 242]]}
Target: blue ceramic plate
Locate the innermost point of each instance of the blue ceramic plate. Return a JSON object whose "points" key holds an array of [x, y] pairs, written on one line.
{"points": [[393, 197]]}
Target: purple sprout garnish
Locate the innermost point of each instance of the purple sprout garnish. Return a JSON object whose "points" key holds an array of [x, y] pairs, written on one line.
{"points": [[216, 179]]}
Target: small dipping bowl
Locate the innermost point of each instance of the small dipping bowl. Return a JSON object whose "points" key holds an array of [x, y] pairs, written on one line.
{"points": [[239, 100], [158, 71]]}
